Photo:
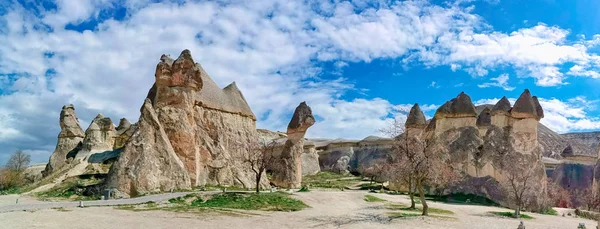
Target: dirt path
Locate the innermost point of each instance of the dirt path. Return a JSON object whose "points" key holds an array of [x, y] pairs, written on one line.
{"points": [[329, 209], [26, 203]]}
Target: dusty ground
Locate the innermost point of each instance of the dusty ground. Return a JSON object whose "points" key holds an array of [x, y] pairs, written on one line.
{"points": [[329, 209]]}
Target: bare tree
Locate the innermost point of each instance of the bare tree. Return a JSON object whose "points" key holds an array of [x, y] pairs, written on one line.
{"points": [[399, 171], [373, 171], [261, 158], [19, 161], [12, 176], [519, 181]]}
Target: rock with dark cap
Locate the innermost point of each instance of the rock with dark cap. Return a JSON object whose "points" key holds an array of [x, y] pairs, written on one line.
{"points": [[288, 174], [416, 118], [502, 106], [461, 106], [69, 137], [524, 107], [484, 118], [538, 108]]}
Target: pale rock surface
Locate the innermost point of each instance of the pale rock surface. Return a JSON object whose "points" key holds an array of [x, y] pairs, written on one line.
{"points": [[210, 130], [148, 163], [69, 137], [288, 174], [124, 132]]}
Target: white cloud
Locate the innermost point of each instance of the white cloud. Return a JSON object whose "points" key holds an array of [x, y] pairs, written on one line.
{"points": [[433, 84], [500, 81], [272, 49]]}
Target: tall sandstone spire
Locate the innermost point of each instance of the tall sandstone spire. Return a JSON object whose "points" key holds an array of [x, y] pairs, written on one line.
{"points": [[210, 130], [69, 137], [288, 174]]}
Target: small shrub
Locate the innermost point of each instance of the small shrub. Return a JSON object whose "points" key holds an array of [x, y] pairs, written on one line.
{"points": [[178, 200], [370, 198], [304, 189]]}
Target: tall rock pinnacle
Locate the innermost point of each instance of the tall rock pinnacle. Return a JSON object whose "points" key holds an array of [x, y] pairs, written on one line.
{"points": [[289, 173], [69, 137]]}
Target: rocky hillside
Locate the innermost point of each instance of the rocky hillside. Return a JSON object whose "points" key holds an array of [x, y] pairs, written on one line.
{"points": [[588, 139], [553, 144]]}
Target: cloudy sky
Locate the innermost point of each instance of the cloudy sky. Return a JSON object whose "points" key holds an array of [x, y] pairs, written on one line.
{"points": [[358, 64]]}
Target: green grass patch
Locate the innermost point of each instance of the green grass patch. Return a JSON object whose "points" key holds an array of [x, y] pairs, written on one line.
{"points": [[399, 215], [256, 201], [10, 191], [178, 200], [460, 198], [371, 198], [369, 186], [402, 207], [549, 211], [71, 188], [330, 180], [511, 215], [304, 189]]}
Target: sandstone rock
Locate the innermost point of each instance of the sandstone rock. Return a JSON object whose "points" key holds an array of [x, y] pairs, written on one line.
{"points": [[503, 106], [211, 130], [484, 118], [289, 173], [310, 160], [416, 118], [148, 163], [124, 132], [538, 108], [69, 137], [461, 106], [525, 107]]}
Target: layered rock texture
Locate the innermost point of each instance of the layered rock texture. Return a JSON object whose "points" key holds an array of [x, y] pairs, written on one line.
{"points": [[288, 174], [70, 136], [148, 162], [209, 129]]}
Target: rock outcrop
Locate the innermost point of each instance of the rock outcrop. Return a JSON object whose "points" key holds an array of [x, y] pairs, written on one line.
{"points": [[477, 144], [124, 132], [310, 157], [70, 136], [99, 138], [288, 174], [210, 130], [148, 162]]}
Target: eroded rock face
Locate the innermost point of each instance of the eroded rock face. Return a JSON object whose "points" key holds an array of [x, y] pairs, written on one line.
{"points": [[480, 148], [148, 162], [289, 172], [310, 157], [69, 137], [124, 132], [211, 130]]}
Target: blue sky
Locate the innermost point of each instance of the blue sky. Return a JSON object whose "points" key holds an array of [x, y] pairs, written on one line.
{"points": [[359, 64]]}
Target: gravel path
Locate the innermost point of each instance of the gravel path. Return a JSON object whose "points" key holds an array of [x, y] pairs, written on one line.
{"points": [[9, 203], [329, 209]]}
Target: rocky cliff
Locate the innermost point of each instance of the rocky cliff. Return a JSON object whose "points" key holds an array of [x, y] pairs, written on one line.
{"points": [[210, 130]]}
